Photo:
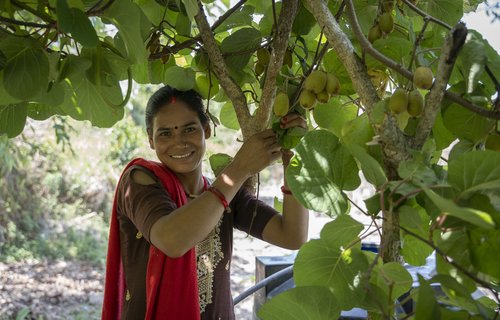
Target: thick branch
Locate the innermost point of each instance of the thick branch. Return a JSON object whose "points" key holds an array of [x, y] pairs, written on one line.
{"points": [[279, 46], [218, 63], [454, 41]]}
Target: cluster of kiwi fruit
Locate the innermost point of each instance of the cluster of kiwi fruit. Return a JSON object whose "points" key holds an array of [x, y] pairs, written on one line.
{"points": [[384, 23], [319, 86], [264, 56], [413, 101]]}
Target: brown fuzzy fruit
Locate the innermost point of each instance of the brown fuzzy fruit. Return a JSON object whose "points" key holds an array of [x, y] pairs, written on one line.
{"points": [[332, 84], [374, 34], [415, 103], [316, 81], [307, 99], [323, 96], [422, 78], [386, 22], [281, 104], [398, 101]]}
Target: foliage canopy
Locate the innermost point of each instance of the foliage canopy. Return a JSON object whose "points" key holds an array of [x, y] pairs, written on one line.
{"points": [[69, 58]]}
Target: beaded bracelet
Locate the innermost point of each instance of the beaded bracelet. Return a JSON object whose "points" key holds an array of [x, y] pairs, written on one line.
{"points": [[221, 197], [285, 190]]}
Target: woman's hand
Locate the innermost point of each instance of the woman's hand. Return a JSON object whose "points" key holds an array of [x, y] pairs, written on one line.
{"points": [[258, 152]]}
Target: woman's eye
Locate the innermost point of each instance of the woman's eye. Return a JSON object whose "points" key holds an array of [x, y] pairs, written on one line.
{"points": [[190, 129], [165, 134]]}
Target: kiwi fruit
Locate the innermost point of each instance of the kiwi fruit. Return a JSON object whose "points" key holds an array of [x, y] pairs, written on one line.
{"points": [[386, 22], [281, 104], [398, 102], [323, 96], [423, 78], [332, 84], [316, 81], [263, 56], [415, 103], [259, 68], [374, 34], [307, 99]]}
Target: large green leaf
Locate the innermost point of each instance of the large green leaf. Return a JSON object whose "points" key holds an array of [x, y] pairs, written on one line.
{"points": [[471, 62], [357, 131], [129, 20], [466, 124], [475, 171], [414, 251], [241, 40], [12, 119], [192, 8], [302, 303], [27, 72], [482, 246], [74, 21], [228, 117], [449, 11], [219, 161], [372, 170], [334, 115], [313, 176], [241, 17], [7, 98], [394, 279], [87, 103], [448, 207], [441, 135], [427, 306], [180, 78], [320, 264], [342, 232]]}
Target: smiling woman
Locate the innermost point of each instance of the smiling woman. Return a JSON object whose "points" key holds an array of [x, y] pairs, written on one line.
{"points": [[171, 228]]}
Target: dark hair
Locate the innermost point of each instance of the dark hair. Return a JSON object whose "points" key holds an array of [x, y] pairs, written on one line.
{"points": [[165, 95]]}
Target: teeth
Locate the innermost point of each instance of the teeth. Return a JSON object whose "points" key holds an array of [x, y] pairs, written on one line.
{"points": [[181, 156]]}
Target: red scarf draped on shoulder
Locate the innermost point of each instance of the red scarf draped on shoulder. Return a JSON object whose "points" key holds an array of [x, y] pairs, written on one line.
{"points": [[171, 283]]}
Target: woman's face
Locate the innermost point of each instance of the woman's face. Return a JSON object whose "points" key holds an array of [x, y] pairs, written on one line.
{"points": [[178, 137]]}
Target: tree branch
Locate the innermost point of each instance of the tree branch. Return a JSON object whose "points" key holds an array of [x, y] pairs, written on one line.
{"points": [[426, 15], [24, 23], [279, 46], [453, 42], [231, 88]]}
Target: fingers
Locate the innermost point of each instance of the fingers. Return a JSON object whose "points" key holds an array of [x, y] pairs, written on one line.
{"points": [[293, 120]]}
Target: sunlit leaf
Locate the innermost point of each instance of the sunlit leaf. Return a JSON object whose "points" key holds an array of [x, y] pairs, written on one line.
{"points": [[180, 78], [427, 306], [228, 117], [334, 115], [218, 162], [372, 170], [76, 22]]}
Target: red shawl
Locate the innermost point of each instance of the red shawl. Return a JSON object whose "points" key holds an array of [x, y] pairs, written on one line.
{"points": [[171, 283]]}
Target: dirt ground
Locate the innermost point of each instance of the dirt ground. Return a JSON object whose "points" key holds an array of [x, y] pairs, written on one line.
{"points": [[73, 290]]}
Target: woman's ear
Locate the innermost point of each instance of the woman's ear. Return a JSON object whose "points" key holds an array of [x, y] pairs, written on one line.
{"points": [[208, 130], [151, 143]]}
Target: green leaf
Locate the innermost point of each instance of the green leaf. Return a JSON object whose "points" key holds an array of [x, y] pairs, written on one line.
{"points": [[455, 117], [7, 98], [241, 40], [358, 131], [372, 170], [448, 207], [183, 25], [427, 306], [442, 136], [74, 21], [414, 219], [218, 162], [482, 246], [228, 117], [192, 8], [73, 65], [278, 205], [414, 251], [471, 62], [302, 303], [304, 21], [342, 232], [320, 264], [42, 112], [26, 73], [334, 115], [394, 275], [241, 17], [449, 11], [310, 175], [475, 171], [334, 65], [396, 48], [12, 119], [129, 20], [180, 78]]}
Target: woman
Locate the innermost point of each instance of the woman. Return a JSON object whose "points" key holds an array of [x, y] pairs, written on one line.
{"points": [[171, 236]]}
